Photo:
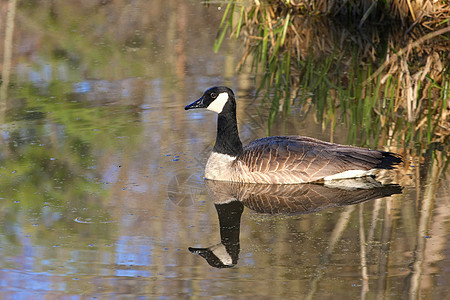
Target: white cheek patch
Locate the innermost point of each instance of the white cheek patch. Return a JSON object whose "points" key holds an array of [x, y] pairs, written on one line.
{"points": [[218, 104]]}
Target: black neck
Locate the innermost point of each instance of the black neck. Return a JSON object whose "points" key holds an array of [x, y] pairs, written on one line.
{"points": [[227, 140]]}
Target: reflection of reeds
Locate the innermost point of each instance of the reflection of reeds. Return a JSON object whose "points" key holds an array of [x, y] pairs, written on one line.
{"points": [[334, 238], [7, 54], [304, 60]]}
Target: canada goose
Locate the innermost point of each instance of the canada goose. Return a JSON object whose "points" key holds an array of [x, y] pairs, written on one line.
{"points": [[280, 159]]}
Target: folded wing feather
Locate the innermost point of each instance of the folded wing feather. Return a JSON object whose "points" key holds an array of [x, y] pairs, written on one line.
{"points": [[296, 159]]}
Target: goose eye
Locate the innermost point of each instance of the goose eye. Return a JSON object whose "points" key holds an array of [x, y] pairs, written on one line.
{"points": [[213, 95]]}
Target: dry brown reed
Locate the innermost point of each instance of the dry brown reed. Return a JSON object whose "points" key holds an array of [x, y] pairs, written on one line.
{"points": [[390, 60]]}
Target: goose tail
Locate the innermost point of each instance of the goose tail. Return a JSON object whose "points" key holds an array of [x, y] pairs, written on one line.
{"points": [[389, 160]]}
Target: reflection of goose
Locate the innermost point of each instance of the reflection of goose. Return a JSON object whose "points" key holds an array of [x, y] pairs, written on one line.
{"points": [[297, 198], [230, 198], [226, 253], [280, 159]]}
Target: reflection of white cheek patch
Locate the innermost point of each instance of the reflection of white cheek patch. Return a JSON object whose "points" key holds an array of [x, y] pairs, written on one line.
{"points": [[218, 104], [221, 253]]}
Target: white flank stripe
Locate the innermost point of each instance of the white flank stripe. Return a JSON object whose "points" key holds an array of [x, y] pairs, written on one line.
{"points": [[218, 104], [351, 184], [349, 174]]}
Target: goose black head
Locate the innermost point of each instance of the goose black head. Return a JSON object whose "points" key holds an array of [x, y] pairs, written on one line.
{"points": [[218, 99]]}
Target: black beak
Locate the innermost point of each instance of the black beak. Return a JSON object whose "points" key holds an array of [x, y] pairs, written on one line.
{"points": [[196, 104]]}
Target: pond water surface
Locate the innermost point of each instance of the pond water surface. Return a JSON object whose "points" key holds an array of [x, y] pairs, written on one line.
{"points": [[101, 187]]}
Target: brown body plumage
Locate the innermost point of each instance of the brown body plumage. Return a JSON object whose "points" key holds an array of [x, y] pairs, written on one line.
{"points": [[298, 159]]}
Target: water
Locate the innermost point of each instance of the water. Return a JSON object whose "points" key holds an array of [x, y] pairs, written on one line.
{"points": [[101, 187]]}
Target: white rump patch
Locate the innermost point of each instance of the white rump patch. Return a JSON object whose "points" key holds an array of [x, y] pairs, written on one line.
{"points": [[349, 174], [218, 104]]}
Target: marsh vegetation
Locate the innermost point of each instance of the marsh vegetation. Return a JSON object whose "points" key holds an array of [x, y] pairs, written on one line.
{"points": [[382, 66]]}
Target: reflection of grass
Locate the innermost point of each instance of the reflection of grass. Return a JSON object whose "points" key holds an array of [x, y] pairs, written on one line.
{"points": [[84, 121], [306, 60], [50, 159], [41, 186]]}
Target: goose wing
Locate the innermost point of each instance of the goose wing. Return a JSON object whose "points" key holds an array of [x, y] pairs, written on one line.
{"points": [[297, 159]]}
